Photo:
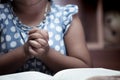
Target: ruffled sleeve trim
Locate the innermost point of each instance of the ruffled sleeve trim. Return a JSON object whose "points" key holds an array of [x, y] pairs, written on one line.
{"points": [[68, 12]]}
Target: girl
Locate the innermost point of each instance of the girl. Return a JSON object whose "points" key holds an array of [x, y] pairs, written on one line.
{"points": [[40, 35]]}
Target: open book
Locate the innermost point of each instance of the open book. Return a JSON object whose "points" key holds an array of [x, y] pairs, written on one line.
{"points": [[67, 74]]}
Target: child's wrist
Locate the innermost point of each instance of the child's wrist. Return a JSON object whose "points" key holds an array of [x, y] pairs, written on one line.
{"points": [[26, 52]]}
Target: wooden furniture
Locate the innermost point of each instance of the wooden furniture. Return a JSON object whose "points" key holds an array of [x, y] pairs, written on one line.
{"points": [[91, 13]]}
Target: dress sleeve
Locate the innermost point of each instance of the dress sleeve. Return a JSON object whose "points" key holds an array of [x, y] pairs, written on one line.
{"points": [[68, 12]]}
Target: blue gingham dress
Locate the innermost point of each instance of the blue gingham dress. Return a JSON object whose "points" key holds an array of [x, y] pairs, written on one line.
{"points": [[13, 33]]}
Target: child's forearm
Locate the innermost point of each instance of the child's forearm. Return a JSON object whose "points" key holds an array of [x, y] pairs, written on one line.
{"points": [[12, 60]]}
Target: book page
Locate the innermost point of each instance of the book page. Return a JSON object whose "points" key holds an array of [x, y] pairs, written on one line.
{"points": [[105, 78], [68, 74], [30, 75], [84, 73]]}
